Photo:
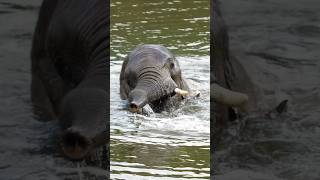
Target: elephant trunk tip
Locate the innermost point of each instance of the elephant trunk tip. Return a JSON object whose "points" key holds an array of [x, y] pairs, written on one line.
{"points": [[74, 145], [134, 108], [137, 99]]}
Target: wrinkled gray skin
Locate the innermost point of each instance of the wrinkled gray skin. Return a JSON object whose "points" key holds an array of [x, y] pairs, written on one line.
{"points": [[232, 73], [70, 72], [149, 75], [228, 70]]}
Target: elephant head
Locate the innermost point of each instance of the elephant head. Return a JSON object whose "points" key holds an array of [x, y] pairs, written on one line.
{"points": [[151, 75], [232, 84], [228, 76]]}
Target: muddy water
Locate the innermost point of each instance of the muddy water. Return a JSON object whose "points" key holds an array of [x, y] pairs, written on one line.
{"points": [[171, 145], [279, 42]]}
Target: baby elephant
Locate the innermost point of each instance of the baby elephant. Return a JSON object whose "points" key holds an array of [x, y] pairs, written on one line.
{"points": [[151, 75], [70, 71]]}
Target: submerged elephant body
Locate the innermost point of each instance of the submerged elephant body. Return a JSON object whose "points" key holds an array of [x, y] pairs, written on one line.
{"points": [[70, 71], [232, 85], [151, 75]]}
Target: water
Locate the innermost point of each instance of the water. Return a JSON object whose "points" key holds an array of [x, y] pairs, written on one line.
{"points": [[279, 41], [27, 147], [172, 145], [283, 39], [182, 26]]}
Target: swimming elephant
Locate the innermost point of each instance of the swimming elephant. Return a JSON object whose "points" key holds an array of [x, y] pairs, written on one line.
{"points": [[70, 62], [151, 75], [232, 87], [228, 74]]}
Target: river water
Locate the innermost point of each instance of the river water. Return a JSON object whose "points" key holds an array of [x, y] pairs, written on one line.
{"points": [[173, 145], [279, 43]]}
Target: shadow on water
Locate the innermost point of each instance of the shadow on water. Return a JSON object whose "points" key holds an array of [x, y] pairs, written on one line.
{"points": [[171, 145]]}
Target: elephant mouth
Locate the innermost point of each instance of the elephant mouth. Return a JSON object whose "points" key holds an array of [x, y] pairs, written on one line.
{"points": [[137, 104]]}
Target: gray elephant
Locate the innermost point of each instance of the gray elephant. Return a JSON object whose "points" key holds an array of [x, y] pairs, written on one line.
{"points": [[235, 96], [228, 75], [151, 75], [70, 55], [232, 87]]}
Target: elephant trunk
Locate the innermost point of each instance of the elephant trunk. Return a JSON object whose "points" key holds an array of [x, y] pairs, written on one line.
{"points": [[137, 99], [148, 90], [74, 144]]}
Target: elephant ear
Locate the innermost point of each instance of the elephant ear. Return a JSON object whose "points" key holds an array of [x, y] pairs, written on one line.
{"points": [[124, 87]]}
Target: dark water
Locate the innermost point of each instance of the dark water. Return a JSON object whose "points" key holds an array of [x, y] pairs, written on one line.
{"points": [[279, 43], [172, 145], [27, 149]]}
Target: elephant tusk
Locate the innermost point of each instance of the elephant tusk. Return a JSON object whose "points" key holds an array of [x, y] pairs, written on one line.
{"points": [[181, 92], [228, 97]]}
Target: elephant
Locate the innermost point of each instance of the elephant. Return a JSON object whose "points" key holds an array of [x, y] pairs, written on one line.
{"points": [[151, 75], [69, 65], [227, 74], [235, 95], [233, 91]]}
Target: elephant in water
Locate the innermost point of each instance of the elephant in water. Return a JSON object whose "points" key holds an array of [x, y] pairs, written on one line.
{"points": [[232, 88], [223, 72], [70, 61], [151, 75]]}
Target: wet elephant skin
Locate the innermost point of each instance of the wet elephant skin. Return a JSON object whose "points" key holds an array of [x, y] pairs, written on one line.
{"points": [[228, 71], [149, 75], [70, 54]]}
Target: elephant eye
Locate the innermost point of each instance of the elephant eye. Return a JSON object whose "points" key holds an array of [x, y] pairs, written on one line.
{"points": [[131, 84], [172, 65]]}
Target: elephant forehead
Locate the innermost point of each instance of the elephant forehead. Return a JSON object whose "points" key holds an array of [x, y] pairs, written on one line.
{"points": [[147, 60], [151, 52]]}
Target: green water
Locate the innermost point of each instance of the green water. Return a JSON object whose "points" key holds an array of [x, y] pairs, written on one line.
{"points": [[168, 146], [182, 26]]}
